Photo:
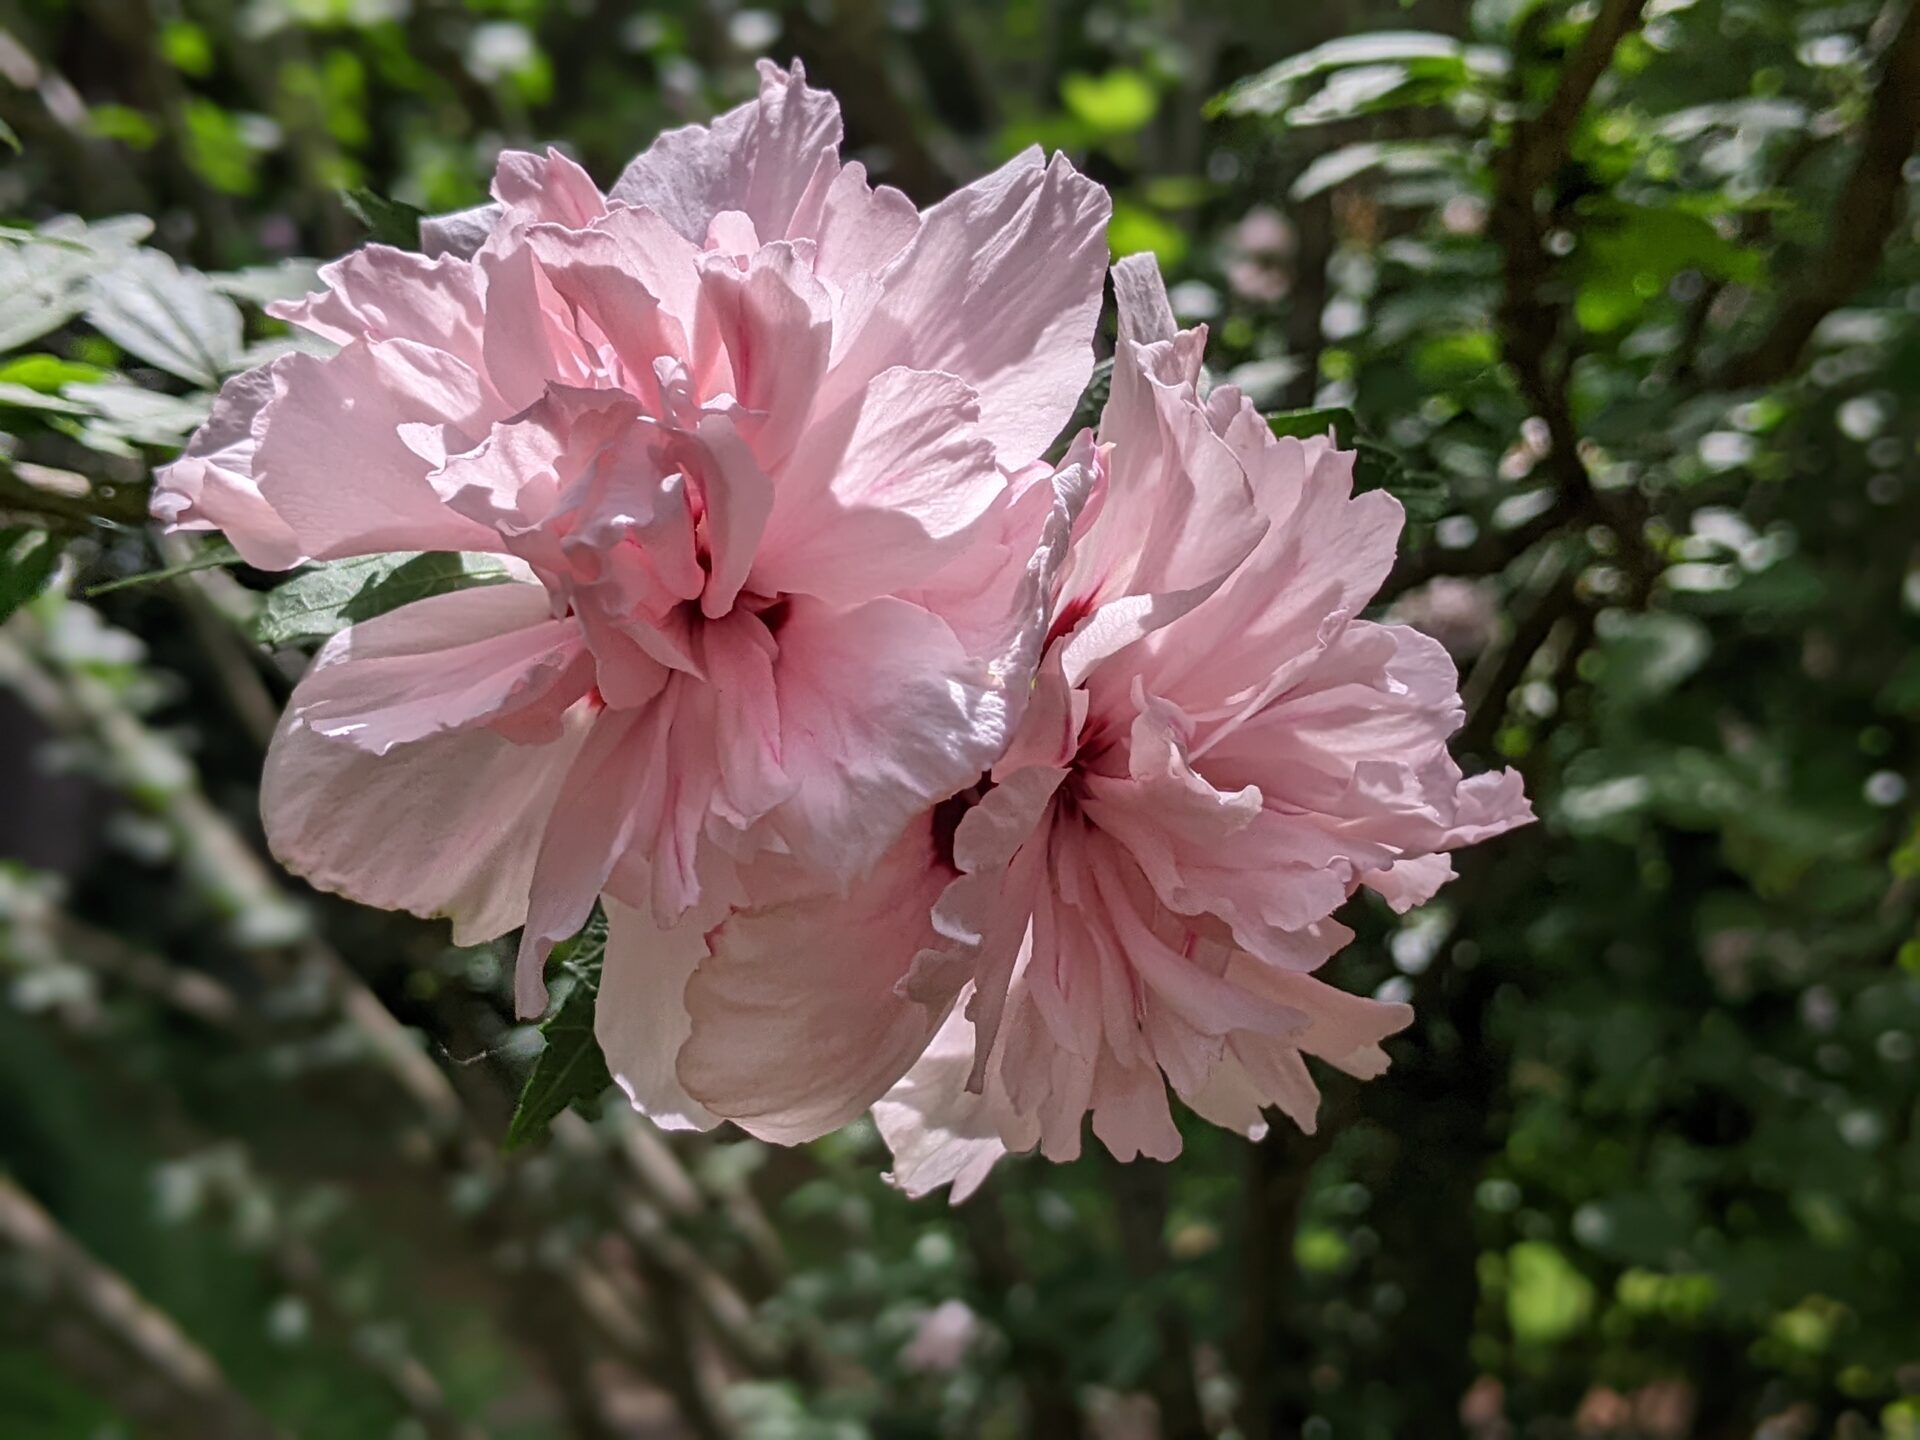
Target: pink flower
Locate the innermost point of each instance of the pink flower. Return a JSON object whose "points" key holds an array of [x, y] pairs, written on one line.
{"points": [[1218, 754], [748, 431]]}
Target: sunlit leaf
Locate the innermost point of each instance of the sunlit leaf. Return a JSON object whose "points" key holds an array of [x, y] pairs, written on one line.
{"points": [[168, 316], [331, 596]]}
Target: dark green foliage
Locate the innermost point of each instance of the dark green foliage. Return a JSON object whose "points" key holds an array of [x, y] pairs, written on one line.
{"points": [[1621, 301], [388, 222], [569, 1070]]}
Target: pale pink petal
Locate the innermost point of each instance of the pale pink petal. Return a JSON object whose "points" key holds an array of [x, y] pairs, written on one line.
{"points": [[460, 234], [762, 336], [859, 228], [1325, 552], [530, 339], [546, 188], [1131, 1116], [635, 277], [797, 1026], [612, 792], [1407, 883], [333, 464], [1001, 287], [446, 826], [738, 658], [941, 1133], [880, 494], [882, 715], [212, 487], [758, 159], [380, 293], [737, 498], [490, 655], [640, 1015]]}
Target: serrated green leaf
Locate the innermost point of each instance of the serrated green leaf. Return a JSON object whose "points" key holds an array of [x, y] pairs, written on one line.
{"points": [[45, 272], [169, 316], [327, 598], [570, 1070], [388, 222]]}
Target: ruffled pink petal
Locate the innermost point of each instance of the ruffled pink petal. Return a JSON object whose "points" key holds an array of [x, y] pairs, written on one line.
{"points": [[611, 792], [212, 486], [1325, 553], [487, 656], [941, 1133], [635, 277], [547, 188], [531, 338], [447, 825], [640, 1015], [879, 495], [758, 159], [982, 916], [380, 293], [883, 715], [797, 1026], [859, 228], [333, 463], [762, 336], [1407, 883], [1001, 287]]}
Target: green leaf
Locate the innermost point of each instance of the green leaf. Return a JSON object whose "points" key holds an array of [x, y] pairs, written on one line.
{"points": [[327, 598], [169, 316], [1402, 67], [126, 414], [263, 284], [388, 222], [1547, 1298], [1629, 252], [1116, 103], [1394, 157], [27, 559], [220, 552], [1086, 410], [47, 373], [1305, 424], [45, 272], [1135, 229], [570, 1070], [9, 139]]}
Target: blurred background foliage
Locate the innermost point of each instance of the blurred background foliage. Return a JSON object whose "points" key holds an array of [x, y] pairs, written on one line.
{"points": [[1621, 296]]}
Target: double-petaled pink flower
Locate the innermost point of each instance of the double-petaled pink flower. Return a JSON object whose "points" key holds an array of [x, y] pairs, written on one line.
{"points": [[739, 425], [913, 772], [1218, 754]]}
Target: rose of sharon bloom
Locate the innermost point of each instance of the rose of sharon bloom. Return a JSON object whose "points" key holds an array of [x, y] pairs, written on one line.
{"points": [[734, 424], [1219, 753]]}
